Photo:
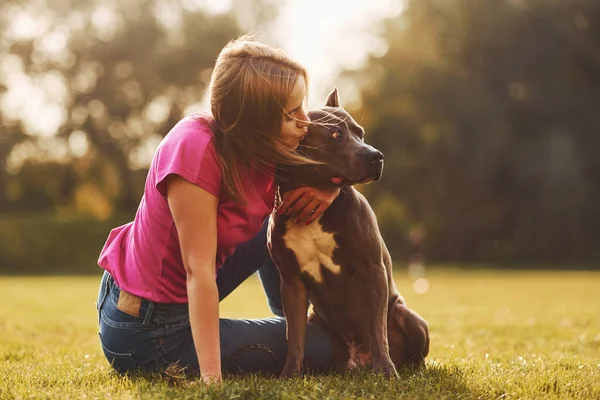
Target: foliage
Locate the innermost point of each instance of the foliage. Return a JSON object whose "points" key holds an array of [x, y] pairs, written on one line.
{"points": [[123, 77], [52, 244], [487, 115], [540, 341]]}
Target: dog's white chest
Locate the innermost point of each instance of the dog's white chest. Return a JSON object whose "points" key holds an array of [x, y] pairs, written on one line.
{"points": [[313, 248]]}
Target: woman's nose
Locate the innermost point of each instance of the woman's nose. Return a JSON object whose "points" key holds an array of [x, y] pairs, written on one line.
{"points": [[303, 120]]}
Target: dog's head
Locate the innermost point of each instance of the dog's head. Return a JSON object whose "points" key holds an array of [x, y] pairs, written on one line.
{"points": [[408, 336], [337, 141]]}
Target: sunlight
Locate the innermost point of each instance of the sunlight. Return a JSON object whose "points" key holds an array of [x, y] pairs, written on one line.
{"points": [[78, 143], [324, 36], [157, 111], [106, 22], [25, 26], [27, 101], [20, 153], [142, 155], [54, 42], [329, 36], [212, 6]]}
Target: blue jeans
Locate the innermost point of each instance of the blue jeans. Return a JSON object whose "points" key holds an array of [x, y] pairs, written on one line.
{"points": [[161, 334]]}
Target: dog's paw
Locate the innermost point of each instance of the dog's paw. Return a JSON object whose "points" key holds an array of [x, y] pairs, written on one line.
{"points": [[290, 370], [289, 373], [387, 369]]}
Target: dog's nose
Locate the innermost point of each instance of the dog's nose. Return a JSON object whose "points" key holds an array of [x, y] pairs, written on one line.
{"points": [[374, 156]]}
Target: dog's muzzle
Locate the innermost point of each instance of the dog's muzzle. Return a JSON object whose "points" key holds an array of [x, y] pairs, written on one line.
{"points": [[375, 159]]}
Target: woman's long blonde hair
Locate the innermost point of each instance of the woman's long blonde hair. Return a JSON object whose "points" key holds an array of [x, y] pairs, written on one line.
{"points": [[249, 89]]}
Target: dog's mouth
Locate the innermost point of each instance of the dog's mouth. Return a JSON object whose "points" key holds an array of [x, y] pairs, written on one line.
{"points": [[337, 180], [370, 172]]}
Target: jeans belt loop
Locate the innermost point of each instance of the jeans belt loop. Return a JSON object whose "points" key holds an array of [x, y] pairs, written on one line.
{"points": [[149, 313]]}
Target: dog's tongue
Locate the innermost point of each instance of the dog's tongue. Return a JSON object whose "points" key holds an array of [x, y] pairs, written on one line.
{"points": [[337, 180]]}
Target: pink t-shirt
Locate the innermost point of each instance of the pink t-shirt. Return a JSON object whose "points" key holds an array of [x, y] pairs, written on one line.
{"points": [[143, 256]]}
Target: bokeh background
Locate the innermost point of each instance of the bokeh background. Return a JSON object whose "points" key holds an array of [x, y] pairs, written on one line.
{"points": [[487, 113]]}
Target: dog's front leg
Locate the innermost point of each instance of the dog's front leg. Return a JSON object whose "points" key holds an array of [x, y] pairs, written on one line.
{"points": [[378, 325], [294, 296]]}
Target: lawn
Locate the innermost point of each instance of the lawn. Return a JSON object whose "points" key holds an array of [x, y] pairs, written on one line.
{"points": [[494, 334]]}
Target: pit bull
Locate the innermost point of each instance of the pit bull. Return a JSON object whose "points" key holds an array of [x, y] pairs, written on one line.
{"points": [[340, 262]]}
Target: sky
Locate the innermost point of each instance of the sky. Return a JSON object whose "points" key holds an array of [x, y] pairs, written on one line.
{"points": [[326, 36]]}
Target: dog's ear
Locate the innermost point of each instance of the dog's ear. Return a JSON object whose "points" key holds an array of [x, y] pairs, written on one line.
{"points": [[333, 99]]}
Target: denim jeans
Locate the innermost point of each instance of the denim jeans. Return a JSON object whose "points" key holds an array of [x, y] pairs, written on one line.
{"points": [[161, 334]]}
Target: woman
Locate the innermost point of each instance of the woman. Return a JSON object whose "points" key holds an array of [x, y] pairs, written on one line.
{"points": [[200, 228]]}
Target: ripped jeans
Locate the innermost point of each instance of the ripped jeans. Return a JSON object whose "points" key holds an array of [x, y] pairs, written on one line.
{"points": [[161, 334]]}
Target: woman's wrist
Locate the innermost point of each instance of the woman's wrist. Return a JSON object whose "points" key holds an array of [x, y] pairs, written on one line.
{"points": [[204, 320]]}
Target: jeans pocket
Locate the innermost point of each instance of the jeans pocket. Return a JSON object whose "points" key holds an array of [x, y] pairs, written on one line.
{"points": [[115, 318], [121, 362]]}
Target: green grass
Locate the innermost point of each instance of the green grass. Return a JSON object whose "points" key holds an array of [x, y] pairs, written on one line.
{"points": [[494, 334]]}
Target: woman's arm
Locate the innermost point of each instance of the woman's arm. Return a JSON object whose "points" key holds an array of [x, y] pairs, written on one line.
{"points": [[195, 214]]}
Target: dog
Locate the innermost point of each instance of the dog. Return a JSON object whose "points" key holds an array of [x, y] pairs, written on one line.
{"points": [[340, 262]]}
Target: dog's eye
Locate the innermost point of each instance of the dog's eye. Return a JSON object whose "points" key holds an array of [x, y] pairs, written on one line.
{"points": [[336, 135]]}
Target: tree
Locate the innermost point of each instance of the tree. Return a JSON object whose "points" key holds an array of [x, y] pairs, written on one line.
{"points": [[126, 73], [487, 115]]}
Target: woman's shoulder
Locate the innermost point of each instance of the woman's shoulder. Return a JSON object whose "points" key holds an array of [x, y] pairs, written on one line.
{"points": [[197, 126], [192, 136], [188, 150]]}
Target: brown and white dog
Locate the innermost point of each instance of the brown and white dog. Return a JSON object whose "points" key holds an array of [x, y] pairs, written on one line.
{"points": [[340, 262]]}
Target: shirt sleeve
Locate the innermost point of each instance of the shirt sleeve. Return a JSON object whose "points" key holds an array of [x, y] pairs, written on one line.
{"points": [[188, 151]]}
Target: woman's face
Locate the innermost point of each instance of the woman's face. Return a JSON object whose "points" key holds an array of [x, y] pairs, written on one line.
{"points": [[295, 121]]}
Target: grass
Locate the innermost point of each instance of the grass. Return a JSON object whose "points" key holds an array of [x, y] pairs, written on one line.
{"points": [[494, 334]]}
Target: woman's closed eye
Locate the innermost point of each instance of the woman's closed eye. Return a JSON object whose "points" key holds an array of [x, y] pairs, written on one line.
{"points": [[288, 117]]}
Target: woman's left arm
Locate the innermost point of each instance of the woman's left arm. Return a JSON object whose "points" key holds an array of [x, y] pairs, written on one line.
{"points": [[307, 204]]}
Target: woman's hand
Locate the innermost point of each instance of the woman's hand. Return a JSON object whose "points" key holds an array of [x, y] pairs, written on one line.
{"points": [[211, 380], [204, 382], [307, 204]]}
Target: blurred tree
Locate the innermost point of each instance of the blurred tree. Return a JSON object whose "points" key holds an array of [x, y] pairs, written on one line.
{"points": [[487, 112], [122, 72], [10, 133], [10, 136]]}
